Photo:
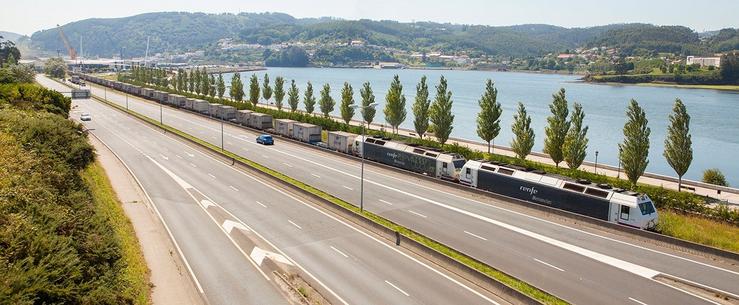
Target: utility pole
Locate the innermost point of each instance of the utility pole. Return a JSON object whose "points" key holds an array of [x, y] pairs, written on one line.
{"points": [[361, 180]]}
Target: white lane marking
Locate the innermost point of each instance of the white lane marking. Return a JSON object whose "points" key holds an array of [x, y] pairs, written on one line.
{"points": [[164, 157], [417, 214], [288, 165], [475, 235], [294, 224], [391, 248], [262, 204], [178, 156], [207, 203], [548, 264], [348, 188], [233, 188], [265, 156], [342, 253], [189, 154], [637, 301], [317, 176], [229, 225], [193, 165], [258, 255], [245, 149], [397, 288], [211, 175], [385, 202]]}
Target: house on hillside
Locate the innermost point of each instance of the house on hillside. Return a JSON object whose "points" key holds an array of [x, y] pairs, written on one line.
{"points": [[703, 61]]}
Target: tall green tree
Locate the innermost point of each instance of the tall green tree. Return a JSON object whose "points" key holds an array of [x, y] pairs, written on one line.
{"points": [[576, 142], [523, 135], [204, 82], [293, 96], [421, 108], [191, 81], [221, 86], [266, 89], [440, 112], [488, 120], [237, 88], [212, 86], [395, 111], [557, 127], [254, 90], [326, 103], [368, 113], [347, 101], [634, 150], [309, 100], [279, 91], [678, 144], [55, 67], [198, 81]]}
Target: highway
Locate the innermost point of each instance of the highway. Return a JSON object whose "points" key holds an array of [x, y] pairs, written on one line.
{"points": [[214, 210], [580, 265]]}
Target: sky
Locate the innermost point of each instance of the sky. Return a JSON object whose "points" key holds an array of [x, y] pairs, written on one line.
{"points": [[26, 17]]}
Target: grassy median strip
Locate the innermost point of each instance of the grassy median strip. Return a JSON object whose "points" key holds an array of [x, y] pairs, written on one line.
{"points": [[517, 284], [135, 273]]}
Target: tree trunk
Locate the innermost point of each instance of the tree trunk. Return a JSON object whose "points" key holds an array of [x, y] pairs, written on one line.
{"points": [[488, 147], [679, 183]]}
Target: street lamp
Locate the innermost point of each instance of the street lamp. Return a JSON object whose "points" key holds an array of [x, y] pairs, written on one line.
{"points": [[595, 167], [361, 183]]}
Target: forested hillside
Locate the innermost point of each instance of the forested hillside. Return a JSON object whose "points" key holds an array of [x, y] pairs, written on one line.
{"points": [[174, 31]]}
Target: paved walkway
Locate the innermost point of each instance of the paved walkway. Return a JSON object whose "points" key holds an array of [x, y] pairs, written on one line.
{"points": [[170, 279]]}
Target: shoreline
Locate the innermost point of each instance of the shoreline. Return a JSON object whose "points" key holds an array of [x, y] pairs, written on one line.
{"points": [[734, 88]]}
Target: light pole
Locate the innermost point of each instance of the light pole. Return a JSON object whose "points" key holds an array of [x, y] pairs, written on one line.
{"points": [[106, 93], [126, 101], [361, 180], [595, 167]]}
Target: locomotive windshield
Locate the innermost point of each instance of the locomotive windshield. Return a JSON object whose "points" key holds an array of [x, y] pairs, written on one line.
{"points": [[646, 208], [458, 164]]}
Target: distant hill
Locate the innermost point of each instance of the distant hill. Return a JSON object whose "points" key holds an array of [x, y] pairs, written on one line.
{"points": [[174, 31], [10, 36]]}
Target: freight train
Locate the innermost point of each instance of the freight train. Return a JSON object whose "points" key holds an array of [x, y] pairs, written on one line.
{"points": [[599, 201]]}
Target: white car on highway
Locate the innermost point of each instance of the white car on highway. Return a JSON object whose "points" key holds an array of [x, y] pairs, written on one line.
{"points": [[85, 117]]}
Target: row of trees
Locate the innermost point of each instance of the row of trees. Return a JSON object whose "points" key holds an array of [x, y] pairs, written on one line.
{"points": [[565, 134]]}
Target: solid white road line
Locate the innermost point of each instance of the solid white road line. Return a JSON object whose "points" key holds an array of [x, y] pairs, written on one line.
{"points": [[342, 253], [385, 202], [164, 157], [475, 235], [294, 224], [548, 264], [637, 301], [189, 154], [262, 204], [348, 188], [417, 214], [396, 287], [287, 164], [317, 176], [233, 188], [211, 175]]}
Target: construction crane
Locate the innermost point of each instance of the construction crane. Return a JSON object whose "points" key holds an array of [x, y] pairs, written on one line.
{"points": [[70, 49]]}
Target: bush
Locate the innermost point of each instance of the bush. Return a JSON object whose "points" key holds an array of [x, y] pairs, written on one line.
{"points": [[714, 176]]}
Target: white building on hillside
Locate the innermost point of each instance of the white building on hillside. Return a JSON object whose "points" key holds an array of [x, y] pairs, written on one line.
{"points": [[704, 61]]}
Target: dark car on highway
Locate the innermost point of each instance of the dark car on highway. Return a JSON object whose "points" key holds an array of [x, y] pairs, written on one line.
{"points": [[265, 139]]}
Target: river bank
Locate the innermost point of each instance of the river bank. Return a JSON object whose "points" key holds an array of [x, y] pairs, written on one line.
{"points": [[669, 85]]}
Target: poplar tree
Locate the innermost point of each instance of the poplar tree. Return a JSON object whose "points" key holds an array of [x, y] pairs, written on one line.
{"points": [[488, 120], [557, 127], [254, 90], [221, 86], [441, 112], [395, 104], [279, 91], [326, 103], [293, 96], [212, 86], [191, 81], [678, 144], [237, 87], [309, 100], [204, 82], [368, 113], [523, 135], [347, 101], [198, 78], [266, 89], [575, 146], [421, 108], [634, 150]]}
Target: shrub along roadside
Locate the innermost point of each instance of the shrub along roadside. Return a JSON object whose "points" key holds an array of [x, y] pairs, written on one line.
{"points": [[519, 285], [683, 202], [57, 246]]}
